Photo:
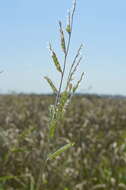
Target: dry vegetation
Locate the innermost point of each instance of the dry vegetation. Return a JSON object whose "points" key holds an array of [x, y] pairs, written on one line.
{"points": [[96, 125]]}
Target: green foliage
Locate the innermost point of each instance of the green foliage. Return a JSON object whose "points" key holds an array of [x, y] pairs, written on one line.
{"points": [[5, 178], [59, 151], [52, 127], [57, 111], [63, 96]]}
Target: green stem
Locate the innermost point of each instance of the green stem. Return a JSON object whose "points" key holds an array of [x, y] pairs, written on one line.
{"points": [[42, 168], [65, 58]]}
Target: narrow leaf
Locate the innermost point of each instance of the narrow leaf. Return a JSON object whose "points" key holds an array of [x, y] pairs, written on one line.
{"points": [[59, 151], [51, 84], [19, 150], [5, 178], [26, 132]]}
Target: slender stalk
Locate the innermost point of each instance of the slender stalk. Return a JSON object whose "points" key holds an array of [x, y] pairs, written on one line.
{"points": [[64, 67], [42, 167], [66, 55], [73, 63]]}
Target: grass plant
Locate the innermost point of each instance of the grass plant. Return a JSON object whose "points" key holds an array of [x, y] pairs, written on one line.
{"points": [[63, 96], [96, 161], [75, 145]]}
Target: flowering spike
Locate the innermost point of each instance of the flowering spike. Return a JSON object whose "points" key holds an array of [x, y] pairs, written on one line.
{"points": [[63, 45], [51, 84], [55, 59]]}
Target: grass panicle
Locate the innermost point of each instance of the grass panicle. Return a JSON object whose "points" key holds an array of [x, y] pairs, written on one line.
{"points": [[56, 111], [63, 96]]}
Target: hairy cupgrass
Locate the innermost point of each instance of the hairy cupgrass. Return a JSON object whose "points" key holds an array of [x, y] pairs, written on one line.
{"points": [[62, 100], [63, 96]]}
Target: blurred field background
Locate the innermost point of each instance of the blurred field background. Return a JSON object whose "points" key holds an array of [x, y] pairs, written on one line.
{"points": [[97, 125]]}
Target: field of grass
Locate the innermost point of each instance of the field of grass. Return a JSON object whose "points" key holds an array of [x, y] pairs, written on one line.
{"points": [[97, 125]]}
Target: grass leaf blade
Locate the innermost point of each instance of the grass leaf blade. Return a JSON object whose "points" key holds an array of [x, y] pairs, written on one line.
{"points": [[59, 151]]}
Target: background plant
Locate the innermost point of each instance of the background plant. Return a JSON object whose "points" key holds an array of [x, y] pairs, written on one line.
{"points": [[96, 161]]}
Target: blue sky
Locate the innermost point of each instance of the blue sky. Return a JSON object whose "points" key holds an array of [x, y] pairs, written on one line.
{"points": [[27, 25]]}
